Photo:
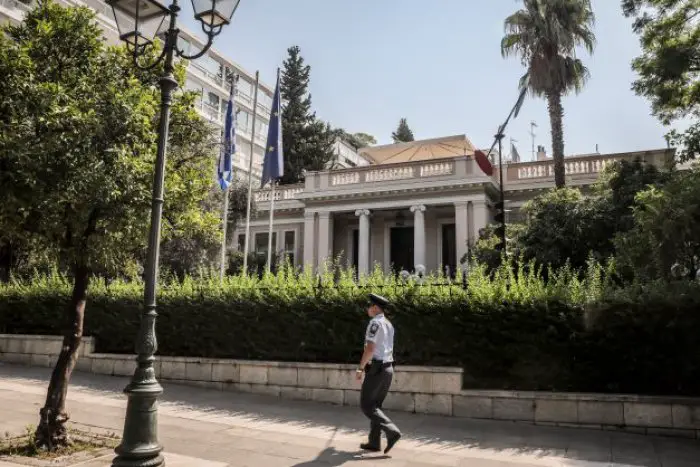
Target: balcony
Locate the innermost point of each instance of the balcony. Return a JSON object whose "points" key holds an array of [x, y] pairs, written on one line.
{"points": [[21, 5], [216, 78], [15, 9], [370, 181], [283, 193], [579, 170], [211, 112]]}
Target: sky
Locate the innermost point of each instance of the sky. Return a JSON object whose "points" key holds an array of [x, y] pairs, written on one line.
{"points": [[438, 64]]}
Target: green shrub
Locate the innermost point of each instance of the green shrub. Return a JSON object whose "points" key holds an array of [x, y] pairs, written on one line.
{"points": [[509, 330]]}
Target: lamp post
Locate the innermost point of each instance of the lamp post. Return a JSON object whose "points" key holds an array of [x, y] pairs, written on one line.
{"points": [[138, 22]]}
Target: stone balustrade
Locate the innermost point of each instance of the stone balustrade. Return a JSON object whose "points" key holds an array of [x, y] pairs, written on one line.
{"points": [[545, 169], [281, 193], [418, 389], [392, 172]]}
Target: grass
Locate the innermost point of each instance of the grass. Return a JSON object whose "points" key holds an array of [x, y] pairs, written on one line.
{"points": [[81, 442]]}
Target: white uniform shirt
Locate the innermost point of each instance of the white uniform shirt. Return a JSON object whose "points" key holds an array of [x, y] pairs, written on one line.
{"points": [[381, 332]]}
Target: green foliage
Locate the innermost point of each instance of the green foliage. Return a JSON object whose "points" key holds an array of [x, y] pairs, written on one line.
{"points": [[77, 145], [544, 34], [356, 140], [510, 330], [484, 251], [567, 227], [403, 133], [363, 140], [563, 227], [668, 67], [667, 220], [308, 142]]}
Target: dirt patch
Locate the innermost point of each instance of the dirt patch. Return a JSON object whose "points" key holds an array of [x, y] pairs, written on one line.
{"points": [[86, 445]]}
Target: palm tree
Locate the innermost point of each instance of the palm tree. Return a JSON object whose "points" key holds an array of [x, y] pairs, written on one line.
{"points": [[545, 34]]}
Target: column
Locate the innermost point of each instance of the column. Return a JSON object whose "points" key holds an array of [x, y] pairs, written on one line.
{"points": [[461, 231], [309, 243], [363, 243], [418, 235], [481, 217], [325, 240]]}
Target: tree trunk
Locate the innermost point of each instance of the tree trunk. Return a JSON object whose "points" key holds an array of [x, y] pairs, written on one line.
{"points": [[556, 116], [51, 432]]}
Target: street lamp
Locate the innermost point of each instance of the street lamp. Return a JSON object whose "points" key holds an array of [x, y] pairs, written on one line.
{"points": [[138, 22]]}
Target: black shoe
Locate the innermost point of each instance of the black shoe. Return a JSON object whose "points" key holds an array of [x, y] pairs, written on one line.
{"points": [[370, 447], [390, 441]]}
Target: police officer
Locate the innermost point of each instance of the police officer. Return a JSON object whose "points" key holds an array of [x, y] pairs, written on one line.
{"points": [[377, 364]]}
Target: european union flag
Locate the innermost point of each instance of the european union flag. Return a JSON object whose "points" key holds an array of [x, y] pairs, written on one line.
{"points": [[225, 170], [273, 164]]}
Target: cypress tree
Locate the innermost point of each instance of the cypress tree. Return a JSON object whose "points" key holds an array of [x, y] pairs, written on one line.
{"points": [[403, 133], [308, 142]]}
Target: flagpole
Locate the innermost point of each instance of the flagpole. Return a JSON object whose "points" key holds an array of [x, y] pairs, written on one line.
{"points": [[246, 240], [223, 241], [272, 215], [222, 267]]}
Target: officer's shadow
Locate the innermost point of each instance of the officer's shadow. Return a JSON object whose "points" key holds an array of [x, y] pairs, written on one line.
{"points": [[331, 457]]}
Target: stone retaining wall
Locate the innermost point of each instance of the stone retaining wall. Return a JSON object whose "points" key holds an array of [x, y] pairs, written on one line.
{"points": [[426, 390]]}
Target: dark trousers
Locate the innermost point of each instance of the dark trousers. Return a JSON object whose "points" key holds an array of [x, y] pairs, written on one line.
{"points": [[374, 390]]}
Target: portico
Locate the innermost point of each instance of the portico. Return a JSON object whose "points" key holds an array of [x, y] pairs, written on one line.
{"points": [[433, 233]]}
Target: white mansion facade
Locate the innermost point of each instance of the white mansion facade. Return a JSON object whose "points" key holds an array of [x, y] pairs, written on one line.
{"points": [[418, 203]]}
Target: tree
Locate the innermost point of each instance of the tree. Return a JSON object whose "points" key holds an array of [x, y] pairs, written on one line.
{"points": [[545, 34], [77, 151], [669, 66], [356, 140], [618, 187], [307, 142], [564, 226], [403, 133], [663, 242], [364, 139]]}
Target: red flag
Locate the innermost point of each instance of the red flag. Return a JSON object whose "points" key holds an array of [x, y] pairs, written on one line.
{"points": [[483, 161]]}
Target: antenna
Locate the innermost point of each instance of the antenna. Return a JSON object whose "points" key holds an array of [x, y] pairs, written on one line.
{"points": [[533, 125]]}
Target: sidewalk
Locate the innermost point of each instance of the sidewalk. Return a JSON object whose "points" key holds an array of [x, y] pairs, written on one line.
{"points": [[205, 428]]}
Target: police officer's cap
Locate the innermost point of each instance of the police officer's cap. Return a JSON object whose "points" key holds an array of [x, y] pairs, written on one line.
{"points": [[378, 300]]}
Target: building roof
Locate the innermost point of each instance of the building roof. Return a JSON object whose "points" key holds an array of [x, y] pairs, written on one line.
{"points": [[427, 149]]}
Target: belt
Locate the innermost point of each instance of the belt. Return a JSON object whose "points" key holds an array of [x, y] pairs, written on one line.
{"points": [[382, 363]]}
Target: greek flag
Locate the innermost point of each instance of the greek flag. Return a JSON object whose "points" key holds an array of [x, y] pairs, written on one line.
{"points": [[228, 146], [273, 164]]}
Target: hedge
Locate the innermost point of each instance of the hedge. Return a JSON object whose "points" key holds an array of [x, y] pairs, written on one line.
{"points": [[511, 330]]}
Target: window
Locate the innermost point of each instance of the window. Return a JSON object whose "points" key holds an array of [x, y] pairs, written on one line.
{"points": [[245, 89], [289, 246], [211, 105], [211, 67], [244, 120], [261, 242], [241, 242], [261, 129], [264, 100]]}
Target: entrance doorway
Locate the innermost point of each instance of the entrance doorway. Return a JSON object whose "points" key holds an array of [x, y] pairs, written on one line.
{"points": [[401, 251], [449, 249]]}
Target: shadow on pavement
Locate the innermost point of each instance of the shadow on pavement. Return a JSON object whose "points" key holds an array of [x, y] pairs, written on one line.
{"points": [[331, 457], [442, 433]]}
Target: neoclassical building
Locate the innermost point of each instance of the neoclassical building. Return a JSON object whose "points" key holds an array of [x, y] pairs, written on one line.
{"points": [[418, 203]]}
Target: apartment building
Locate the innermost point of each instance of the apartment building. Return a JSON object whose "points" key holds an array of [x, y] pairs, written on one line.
{"points": [[209, 76]]}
